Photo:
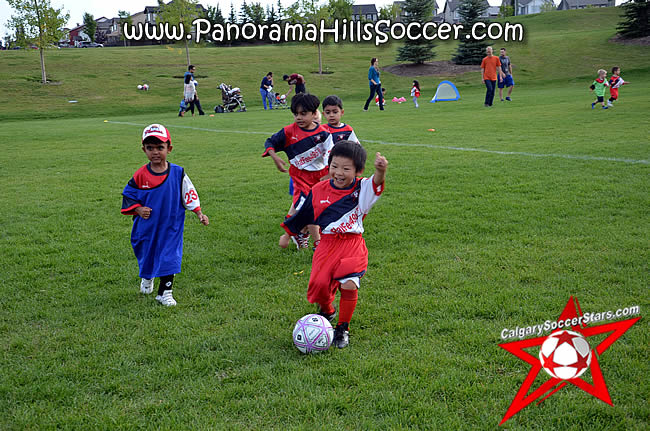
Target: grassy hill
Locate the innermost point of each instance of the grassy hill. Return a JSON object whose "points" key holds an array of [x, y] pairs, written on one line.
{"points": [[559, 47]]}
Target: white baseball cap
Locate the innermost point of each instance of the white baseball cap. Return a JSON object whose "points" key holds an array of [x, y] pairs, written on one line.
{"points": [[157, 131]]}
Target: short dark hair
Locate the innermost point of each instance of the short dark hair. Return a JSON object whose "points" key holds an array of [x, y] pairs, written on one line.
{"points": [[269, 74], [615, 68], [285, 77], [372, 60], [307, 101], [350, 150], [190, 67], [333, 101]]}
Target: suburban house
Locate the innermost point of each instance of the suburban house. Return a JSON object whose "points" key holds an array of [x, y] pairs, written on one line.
{"points": [[582, 4], [77, 35], [103, 28], [450, 11], [365, 12]]}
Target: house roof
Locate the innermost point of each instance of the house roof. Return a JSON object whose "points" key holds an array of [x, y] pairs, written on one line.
{"points": [[363, 9], [585, 2]]}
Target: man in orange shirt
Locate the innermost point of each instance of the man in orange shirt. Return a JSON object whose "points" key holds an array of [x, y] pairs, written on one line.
{"points": [[489, 67]]}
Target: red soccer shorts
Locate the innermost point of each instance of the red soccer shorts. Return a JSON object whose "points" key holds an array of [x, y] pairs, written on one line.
{"points": [[337, 256], [303, 180]]}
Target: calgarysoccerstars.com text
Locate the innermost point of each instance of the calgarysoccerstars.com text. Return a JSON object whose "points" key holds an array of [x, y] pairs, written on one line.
{"points": [[380, 32], [568, 323]]}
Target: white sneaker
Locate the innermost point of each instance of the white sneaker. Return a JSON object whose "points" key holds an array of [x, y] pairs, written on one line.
{"points": [[146, 286], [610, 104], [166, 298]]}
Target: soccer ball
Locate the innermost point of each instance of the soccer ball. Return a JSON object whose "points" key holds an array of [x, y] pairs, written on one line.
{"points": [[145, 87], [565, 355], [139, 87], [313, 334]]}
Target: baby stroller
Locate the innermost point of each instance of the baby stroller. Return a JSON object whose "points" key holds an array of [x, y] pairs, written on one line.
{"points": [[279, 101], [231, 99]]}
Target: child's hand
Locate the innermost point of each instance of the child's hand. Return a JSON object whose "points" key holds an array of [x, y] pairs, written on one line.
{"points": [[381, 164], [144, 212], [203, 219], [280, 164]]}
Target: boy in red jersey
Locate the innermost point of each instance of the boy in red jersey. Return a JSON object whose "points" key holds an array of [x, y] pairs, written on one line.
{"points": [[307, 145], [157, 197], [615, 82], [339, 207], [333, 111]]}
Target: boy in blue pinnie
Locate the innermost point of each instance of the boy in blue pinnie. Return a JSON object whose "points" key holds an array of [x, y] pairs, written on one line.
{"points": [[157, 197]]}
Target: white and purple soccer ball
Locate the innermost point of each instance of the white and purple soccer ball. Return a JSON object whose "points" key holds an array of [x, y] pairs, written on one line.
{"points": [[139, 87], [565, 355], [313, 334], [145, 87]]}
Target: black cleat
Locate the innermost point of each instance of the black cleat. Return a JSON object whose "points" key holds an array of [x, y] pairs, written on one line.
{"points": [[329, 317], [341, 335]]}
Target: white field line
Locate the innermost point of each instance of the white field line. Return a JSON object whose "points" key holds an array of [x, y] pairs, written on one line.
{"points": [[436, 147]]}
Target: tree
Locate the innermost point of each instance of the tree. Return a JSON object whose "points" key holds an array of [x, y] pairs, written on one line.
{"points": [[244, 12], [547, 6], [232, 17], [280, 11], [125, 18], [90, 26], [256, 13], [308, 12], [470, 51], [38, 23], [390, 12], [418, 50], [214, 15], [179, 12], [635, 20]]}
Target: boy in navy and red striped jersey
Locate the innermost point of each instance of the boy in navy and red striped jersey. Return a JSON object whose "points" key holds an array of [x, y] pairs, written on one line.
{"points": [[307, 145], [157, 197], [333, 111], [339, 207]]}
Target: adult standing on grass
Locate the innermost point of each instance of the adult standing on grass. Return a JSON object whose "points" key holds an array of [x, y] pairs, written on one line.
{"points": [[265, 90], [506, 73], [489, 75], [189, 89], [295, 80], [375, 84]]}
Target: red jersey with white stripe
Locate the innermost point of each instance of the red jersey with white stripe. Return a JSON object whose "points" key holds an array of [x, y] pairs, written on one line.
{"points": [[336, 211], [306, 149], [342, 133]]}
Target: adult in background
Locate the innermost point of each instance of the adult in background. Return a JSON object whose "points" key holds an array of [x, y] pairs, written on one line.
{"points": [[375, 84], [265, 90], [189, 89], [295, 80], [489, 75], [506, 73]]}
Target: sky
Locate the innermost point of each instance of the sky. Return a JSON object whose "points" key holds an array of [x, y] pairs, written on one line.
{"points": [[109, 9]]}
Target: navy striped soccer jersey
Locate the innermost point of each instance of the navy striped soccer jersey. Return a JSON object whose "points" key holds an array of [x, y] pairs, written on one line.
{"points": [[306, 149], [342, 133], [336, 211]]}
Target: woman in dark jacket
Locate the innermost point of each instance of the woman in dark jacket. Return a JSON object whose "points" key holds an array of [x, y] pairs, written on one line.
{"points": [[375, 84]]}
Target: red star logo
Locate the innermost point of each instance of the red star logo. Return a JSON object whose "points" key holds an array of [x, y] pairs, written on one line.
{"points": [[598, 389]]}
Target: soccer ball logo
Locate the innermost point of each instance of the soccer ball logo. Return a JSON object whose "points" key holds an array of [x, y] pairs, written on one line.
{"points": [[313, 334], [565, 355]]}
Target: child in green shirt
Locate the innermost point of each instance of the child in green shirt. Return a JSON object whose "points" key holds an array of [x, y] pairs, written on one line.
{"points": [[598, 86]]}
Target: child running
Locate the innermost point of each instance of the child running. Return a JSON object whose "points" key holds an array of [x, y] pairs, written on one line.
{"points": [[339, 207], [307, 145], [157, 197], [333, 111], [415, 93], [598, 87], [615, 82]]}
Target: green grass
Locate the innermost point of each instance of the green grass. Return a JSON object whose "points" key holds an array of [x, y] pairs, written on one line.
{"points": [[462, 245]]}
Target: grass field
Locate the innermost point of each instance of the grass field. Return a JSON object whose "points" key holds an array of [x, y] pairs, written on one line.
{"points": [[492, 221]]}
